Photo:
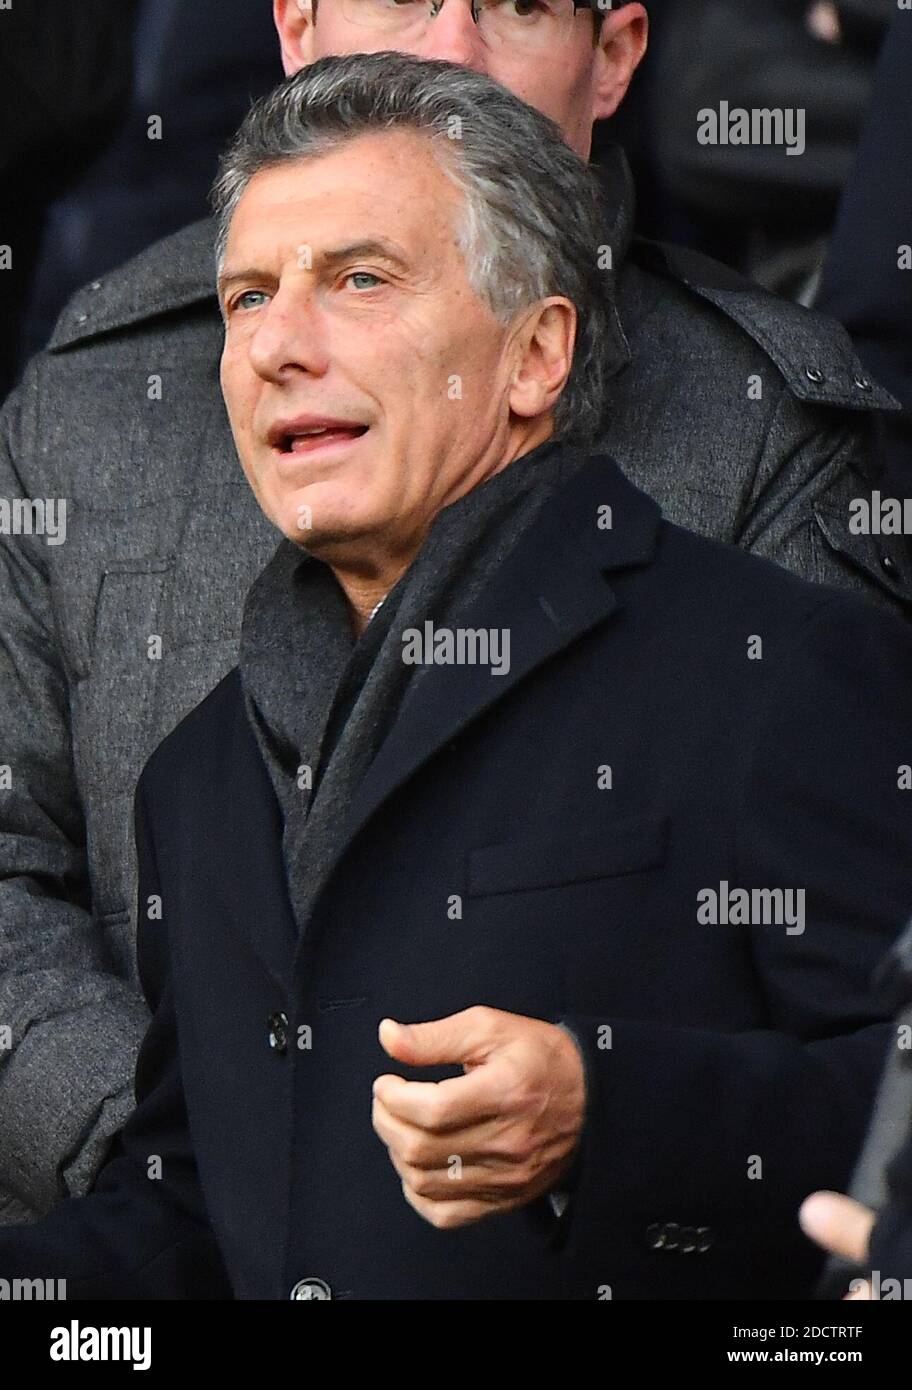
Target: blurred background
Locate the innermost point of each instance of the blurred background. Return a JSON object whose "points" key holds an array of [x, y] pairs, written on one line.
{"points": [[84, 183]]}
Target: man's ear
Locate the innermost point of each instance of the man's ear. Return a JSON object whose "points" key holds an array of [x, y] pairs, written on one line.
{"points": [[622, 43], [544, 344], [294, 21]]}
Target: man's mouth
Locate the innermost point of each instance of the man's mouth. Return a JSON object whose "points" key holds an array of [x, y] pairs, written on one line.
{"points": [[307, 434]]}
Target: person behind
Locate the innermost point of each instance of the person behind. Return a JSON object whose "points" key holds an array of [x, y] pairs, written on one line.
{"points": [[517, 789], [870, 1232], [765, 204], [739, 413], [867, 277]]}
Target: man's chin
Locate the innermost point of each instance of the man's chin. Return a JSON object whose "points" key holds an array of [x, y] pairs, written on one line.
{"points": [[326, 537]]}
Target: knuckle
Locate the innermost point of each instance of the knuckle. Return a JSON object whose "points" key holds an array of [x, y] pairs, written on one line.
{"points": [[422, 1184], [410, 1151]]}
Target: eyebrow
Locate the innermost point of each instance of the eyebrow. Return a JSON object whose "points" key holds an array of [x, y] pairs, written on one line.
{"points": [[386, 250]]}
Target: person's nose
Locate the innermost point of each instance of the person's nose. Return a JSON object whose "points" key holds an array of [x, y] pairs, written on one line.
{"points": [[289, 337], [453, 35]]}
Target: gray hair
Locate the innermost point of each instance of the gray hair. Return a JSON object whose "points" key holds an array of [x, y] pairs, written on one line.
{"points": [[533, 222]]}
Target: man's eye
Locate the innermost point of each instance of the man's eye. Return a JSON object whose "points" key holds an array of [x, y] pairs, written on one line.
{"points": [[361, 276], [525, 9], [242, 301]]}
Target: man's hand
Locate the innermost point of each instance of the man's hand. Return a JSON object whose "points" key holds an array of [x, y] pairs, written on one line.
{"points": [[841, 1226], [489, 1141]]}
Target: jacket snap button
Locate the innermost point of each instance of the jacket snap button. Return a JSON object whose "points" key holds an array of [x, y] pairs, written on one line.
{"points": [[889, 564], [306, 1289], [278, 1033], [814, 374], [862, 383]]}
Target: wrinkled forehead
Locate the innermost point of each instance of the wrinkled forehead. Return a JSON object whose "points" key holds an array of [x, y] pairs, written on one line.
{"points": [[392, 185]]}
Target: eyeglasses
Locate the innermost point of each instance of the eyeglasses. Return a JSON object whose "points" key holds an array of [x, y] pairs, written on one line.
{"points": [[522, 24]]}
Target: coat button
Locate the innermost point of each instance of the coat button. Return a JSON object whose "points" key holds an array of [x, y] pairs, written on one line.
{"points": [[672, 1232], [889, 565], [668, 1235], [655, 1234], [310, 1288], [278, 1033], [688, 1240], [814, 374]]}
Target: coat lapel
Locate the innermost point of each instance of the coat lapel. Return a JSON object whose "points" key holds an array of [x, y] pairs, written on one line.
{"points": [[257, 891], [550, 591]]}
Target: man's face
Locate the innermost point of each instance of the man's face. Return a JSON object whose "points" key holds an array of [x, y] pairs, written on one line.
{"points": [[348, 311], [577, 85]]}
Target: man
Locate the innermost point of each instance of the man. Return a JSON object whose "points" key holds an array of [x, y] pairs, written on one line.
{"points": [[500, 743], [743, 416]]}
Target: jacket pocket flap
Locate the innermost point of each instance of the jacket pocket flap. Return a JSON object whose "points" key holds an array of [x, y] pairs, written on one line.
{"points": [[623, 848]]}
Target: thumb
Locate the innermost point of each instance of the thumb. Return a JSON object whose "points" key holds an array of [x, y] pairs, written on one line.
{"points": [[837, 1223], [456, 1038]]}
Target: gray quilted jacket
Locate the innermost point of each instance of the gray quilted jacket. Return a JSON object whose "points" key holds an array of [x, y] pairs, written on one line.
{"points": [[746, 417]]}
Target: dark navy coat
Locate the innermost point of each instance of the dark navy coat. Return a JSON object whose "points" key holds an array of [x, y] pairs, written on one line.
{"points": [[730, 1068]]}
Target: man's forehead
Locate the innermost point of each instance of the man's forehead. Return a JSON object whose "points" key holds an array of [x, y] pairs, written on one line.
{"points": [[331, 202], [365, 187]]}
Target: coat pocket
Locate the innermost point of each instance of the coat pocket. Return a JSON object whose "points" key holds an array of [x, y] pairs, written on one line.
{"points": [[627, 847], [111, 703]]}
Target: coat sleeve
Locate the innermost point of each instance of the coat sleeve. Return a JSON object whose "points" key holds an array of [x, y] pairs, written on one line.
{"points": [[731, 1131], [890, 1249], [142, 1232], [69, 1028]]}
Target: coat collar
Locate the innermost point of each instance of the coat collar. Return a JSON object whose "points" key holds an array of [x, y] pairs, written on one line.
{"points": [[551, 590]]}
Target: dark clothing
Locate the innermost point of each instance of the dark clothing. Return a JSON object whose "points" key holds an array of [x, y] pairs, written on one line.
{"points": [[62, 68], [64, 81], [890, 1249], [882, 1180], [867, 279], [197, 68], [330, 708], [742, 415], [759, 208], [709, 1048]]}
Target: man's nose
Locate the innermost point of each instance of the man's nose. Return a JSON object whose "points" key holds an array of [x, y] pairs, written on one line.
{"points": [[288, 337], [453, 35]]}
